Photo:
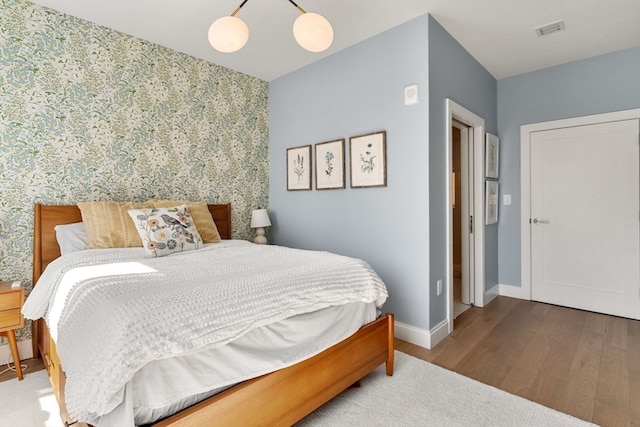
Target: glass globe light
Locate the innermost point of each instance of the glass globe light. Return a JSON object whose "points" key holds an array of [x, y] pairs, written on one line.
{"points": [[228, 34], [313, 32]]}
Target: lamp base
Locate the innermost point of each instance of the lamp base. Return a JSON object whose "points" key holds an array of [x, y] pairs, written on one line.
{"points": [[260, 239]]}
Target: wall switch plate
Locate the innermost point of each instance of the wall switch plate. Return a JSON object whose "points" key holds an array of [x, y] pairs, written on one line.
{"points": [[439, 287], [507, 199]]}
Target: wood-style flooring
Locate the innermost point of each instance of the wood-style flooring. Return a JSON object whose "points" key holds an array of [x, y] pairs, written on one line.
{"points": [[32, 365], [577, 362], [580, 363]]}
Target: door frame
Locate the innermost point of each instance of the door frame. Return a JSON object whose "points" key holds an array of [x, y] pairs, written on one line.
{"points": [[465, 177], [457, 112], [525, 179]]}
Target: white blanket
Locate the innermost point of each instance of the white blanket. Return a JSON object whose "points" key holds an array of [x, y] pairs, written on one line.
{"points": [[113, 311]]}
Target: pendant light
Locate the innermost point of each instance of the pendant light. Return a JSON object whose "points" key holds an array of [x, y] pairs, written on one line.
{"points": [[229, 34], [312, 31]]}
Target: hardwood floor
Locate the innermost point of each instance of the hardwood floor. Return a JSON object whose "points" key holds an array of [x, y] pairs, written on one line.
{"points": [[577, 362]]}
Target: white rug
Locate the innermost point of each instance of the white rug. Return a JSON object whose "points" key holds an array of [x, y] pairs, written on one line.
{"points": [[29, 403], [422, 394], [418, 394]]}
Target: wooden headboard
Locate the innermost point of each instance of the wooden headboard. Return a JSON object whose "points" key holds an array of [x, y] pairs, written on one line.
{"points": [[46, 217]]}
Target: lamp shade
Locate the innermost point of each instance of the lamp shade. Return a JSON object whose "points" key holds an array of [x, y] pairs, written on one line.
{"points": [[313, 32], [260, 218], [228, 34]]}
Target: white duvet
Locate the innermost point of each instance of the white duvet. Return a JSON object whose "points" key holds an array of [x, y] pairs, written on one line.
{"points": [[111, 311]]}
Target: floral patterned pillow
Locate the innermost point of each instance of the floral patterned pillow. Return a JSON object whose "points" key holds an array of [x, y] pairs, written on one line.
{"points": [[166, 230]]}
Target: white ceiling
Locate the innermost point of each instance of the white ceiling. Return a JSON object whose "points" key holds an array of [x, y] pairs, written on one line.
{"points": [[498, 33]]}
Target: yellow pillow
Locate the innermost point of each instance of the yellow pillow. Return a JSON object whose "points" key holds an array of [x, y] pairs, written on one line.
{"points": [[200, 214], [109, 225]]}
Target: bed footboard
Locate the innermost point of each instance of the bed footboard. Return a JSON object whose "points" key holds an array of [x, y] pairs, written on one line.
{"points": [[286, 396]]}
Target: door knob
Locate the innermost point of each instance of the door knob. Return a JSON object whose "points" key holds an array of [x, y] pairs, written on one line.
{"points": [[540, 221]]}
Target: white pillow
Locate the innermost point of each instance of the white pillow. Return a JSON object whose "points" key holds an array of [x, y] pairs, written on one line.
{"points": [[71, 237], [166, 230]]}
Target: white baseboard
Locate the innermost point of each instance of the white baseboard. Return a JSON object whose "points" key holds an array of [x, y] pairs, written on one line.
{"points": [[513, 292], [439, 332], [24, 348], [491, 294], [421, 337]]}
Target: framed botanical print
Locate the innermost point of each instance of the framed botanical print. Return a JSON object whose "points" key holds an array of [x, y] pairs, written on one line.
{"points": [[491, 202], [299, 168], [492, 156], [330, 165], [368, 160]]}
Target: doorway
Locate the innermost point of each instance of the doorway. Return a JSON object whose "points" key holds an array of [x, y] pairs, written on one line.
{"points": [[461, 200], [472, 246]]}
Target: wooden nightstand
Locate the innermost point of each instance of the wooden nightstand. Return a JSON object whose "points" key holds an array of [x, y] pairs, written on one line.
{"points": [[11, 300]]}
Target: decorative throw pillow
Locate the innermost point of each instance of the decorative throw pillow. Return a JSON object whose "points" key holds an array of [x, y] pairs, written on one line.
{"points": [[200, 214], [166, 230], [108, 224]]}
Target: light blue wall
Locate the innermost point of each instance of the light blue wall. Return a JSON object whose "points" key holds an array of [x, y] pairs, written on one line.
{"points": [[399, 229], [356, 91], [596, 85], [454, 74], [360, 90]]}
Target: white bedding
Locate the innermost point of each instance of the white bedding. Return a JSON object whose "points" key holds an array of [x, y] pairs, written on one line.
{"points": [[127, 310], [166, 386]]}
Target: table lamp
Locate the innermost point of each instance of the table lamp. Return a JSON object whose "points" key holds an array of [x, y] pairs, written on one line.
{"points": [[259, 220]]}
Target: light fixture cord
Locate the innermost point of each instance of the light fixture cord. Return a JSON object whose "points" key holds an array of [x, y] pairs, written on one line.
{"points": [[240, 7], [297, 7]]}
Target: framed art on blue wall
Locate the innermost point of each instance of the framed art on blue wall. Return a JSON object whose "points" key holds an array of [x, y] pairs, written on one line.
{"points": [[491, 202], [330, 165], [299, 168], [368, 160], [492, 156]]}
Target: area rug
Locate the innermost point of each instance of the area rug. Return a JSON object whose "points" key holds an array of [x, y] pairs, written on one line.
{"points": [[418, 394], [29, 403]]}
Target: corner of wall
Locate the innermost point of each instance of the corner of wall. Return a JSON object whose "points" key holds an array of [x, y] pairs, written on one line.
{"points": [[421, 337]]}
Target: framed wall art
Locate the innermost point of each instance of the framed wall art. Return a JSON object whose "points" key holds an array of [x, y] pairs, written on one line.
{"points": [[330, 165], [368, 160], [299, 168], [491, 202], [492, 156]]}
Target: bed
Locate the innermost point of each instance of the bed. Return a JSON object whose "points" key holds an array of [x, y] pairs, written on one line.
{"points": [[281, 397]]}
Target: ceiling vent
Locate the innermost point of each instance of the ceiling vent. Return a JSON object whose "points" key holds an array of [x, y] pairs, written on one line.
{"points": [[554, 27]]}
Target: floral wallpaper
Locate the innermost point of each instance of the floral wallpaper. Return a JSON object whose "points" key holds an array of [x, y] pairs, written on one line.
{"points": [[88, 113]]}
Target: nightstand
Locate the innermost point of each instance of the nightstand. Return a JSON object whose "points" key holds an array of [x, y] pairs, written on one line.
{"points": [[11, 300]]}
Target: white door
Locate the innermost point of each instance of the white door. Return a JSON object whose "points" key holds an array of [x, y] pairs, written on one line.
{"points": [[585, 217]]}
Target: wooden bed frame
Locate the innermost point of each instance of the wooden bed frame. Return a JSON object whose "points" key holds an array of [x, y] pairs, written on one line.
{"points": [[280, 398]]}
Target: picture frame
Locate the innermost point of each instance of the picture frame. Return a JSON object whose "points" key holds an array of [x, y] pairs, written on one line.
{"points": [[368, 157], [299, 168], [491, 202], [330, 164], [492, 156]]}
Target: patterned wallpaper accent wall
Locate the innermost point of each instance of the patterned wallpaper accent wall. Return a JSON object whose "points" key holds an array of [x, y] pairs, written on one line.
{"points": [[88, 113]]}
